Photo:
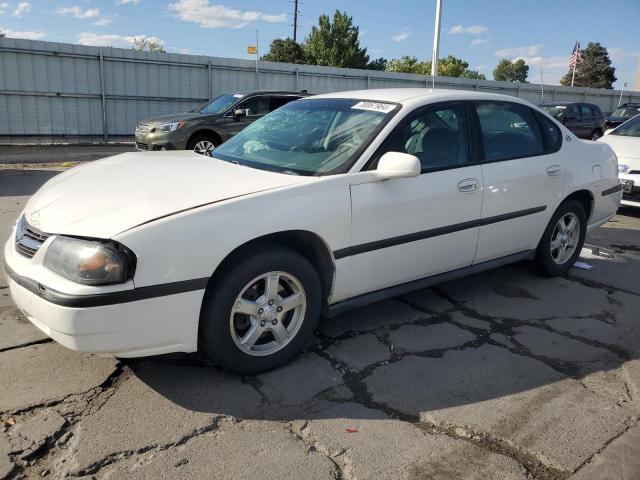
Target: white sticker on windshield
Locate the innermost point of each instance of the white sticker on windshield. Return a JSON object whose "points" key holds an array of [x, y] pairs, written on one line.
{"points": [[374, 106]]}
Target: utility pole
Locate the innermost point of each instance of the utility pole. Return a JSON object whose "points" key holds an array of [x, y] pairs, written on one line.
{"points": [[436, 43], [295, 20]]}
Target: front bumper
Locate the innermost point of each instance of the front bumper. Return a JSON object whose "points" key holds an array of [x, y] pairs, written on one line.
{"points": [[631, 189], [154, 141], [153, 326]]}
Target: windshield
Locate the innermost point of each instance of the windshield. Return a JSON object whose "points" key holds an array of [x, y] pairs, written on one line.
{"points": [[630, 128], [308, 137], [555, 111], [626, 111], [220, 104]]}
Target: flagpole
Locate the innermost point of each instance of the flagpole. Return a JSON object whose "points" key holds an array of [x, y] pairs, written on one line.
{"points": [[541, 84], [575, 64]]}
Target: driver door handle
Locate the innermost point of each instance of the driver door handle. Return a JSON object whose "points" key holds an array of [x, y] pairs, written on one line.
{"points": [[468, 185], [554, 170]]}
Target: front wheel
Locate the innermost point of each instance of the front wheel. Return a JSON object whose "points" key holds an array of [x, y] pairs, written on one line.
{"points": [[563, 239], [203, 143], [261, 312]]}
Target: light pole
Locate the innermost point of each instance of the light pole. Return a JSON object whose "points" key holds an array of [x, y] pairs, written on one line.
{"points": [[436, 43]]}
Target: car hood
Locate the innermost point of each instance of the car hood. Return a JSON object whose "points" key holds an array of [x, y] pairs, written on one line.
{"points": [[177, 117], [612, 118], [103, 198], [624, 147]]}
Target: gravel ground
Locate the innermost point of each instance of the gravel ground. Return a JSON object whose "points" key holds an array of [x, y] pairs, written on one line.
{"points": [[503, 375]]}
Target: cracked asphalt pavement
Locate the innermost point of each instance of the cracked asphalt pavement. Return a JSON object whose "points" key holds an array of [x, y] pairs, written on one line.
{"points": [[502, 375]]}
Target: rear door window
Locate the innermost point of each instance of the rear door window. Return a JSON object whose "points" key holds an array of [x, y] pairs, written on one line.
{"points": [[585, 111], [509, 130]]}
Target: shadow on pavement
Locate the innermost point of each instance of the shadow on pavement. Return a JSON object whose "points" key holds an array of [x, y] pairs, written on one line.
{"points": [[488, 337]]}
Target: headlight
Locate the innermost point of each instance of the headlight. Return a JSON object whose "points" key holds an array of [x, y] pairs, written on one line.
{"points": [[169, 127], [90, 262], [622, 168]]}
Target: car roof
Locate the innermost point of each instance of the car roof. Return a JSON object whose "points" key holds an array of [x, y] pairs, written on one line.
{"points": [[272, 92], [407, 96]]}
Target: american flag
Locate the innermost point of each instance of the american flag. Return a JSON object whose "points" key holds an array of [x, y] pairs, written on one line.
{"points": [[575, 56]]}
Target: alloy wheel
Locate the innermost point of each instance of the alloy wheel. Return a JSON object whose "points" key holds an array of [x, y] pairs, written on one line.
{"points": [[565, 238], [204, 147], [267, 313]]}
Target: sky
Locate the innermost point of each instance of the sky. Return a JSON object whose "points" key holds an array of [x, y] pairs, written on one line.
{"points": [[542, 32]]}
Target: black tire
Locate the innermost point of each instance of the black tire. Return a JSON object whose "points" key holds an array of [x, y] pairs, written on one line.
{"points": [[596, 134], [215, 336], [202, 137], [544, 260]]}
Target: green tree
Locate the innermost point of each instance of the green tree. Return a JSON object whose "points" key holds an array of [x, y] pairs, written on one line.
{"points": [[593, 70], [377, 64], [285, 50], [473, 75], [2, 34], [335, 44], [511, 71], [449, 66], [408, 64], [145, 45]]}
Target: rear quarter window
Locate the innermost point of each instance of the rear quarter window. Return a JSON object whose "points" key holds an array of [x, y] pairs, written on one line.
{"points": [[551, 134]]}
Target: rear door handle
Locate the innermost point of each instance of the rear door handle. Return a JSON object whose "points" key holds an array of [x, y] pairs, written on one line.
{"points": [[468, 185], [554, 170]]}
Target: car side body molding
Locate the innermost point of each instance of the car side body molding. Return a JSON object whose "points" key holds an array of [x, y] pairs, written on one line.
{"points": [[612, 190], [433, 232]]}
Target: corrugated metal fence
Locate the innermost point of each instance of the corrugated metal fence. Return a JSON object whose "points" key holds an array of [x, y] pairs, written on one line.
{"points": [[54, 91]]}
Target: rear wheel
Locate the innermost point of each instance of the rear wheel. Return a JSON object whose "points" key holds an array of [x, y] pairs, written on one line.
{"points": [[563, 239], [203, 143], [261, 312], [596, 135]]}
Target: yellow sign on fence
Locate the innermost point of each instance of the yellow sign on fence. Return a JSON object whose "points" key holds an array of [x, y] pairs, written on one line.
{"points": [[252, 50]]}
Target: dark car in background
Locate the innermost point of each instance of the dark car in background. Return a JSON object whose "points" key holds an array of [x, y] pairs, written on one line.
{"points": [[621, 114], [206, 127], [585, 120]]}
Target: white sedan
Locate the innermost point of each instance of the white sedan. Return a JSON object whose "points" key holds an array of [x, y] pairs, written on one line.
{"points": [[625, 141], [326, 204]]}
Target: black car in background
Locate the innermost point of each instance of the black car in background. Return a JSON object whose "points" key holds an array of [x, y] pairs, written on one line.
{"points": [[585, 120], [621, 114]]}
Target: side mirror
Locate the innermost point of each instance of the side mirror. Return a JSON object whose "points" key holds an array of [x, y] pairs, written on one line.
{"points": [[608, 131], [398, 165], [239, 113]]}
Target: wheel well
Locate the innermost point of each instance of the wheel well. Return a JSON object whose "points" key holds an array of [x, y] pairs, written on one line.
{"points": [[585, 198], [211, 133], [308, 244]]}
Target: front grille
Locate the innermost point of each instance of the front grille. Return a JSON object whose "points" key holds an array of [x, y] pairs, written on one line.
{"points": [[142, 129], [142, 146], [28, 239]]}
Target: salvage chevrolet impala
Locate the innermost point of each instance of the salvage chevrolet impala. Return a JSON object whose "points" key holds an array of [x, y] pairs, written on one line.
{"points": [[325, 204]]}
